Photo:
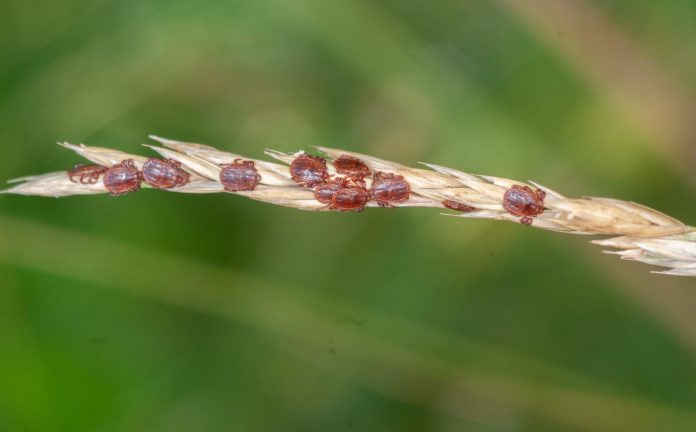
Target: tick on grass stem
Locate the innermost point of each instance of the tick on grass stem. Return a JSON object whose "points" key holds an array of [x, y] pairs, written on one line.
{"points": [[164, 174], [457, 206], [343, 193], [240, 175], [352, 166], [350, 198], [524, 202], [86, 174], [325, 191], [123, 178], [309, 171], [389, 189]]}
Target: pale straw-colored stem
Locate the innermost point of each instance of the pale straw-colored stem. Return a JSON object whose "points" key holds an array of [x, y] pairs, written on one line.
{"points": [[638, 232]]}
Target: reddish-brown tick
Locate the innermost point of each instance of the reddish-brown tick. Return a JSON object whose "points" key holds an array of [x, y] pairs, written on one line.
{"points": [[460, 207], [308, 170], [86, 174], [123, 178], [325, 191], [352, 166], [164, 174], [350, 198], [389, 189], [525, 202], [240, 175]]}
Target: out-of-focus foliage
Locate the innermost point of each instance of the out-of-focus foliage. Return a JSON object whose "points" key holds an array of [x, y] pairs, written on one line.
{"points": [[167, 312]]}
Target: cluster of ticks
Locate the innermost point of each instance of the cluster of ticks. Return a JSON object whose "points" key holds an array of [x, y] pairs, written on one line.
{"points": [[125, 177], [346, 191]]}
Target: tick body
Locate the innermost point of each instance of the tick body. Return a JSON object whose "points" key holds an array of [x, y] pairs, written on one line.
{"points": [[123, 178], [240, 175], [350, 198], [86, 174], [389, 189], [164, 174], [524, 202], [324, 192], [352, 166], [457, 206], [308, 170]]}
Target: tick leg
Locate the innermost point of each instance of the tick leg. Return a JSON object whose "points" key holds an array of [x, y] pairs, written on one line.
{"points": [[526, 220]]}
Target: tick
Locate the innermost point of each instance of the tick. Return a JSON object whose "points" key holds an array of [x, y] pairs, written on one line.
{"points": [[123, 178], [325, 191], [308, 170], [525, 202], [389, 189], [240, 175], [350, 198], [164, 174], [352, 166], [86, 174], [457, 206]]}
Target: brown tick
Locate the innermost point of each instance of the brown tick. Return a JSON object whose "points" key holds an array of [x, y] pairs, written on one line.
{"points": [[352, 166], [240, 175], [525, 202], [308, 170], [389, 189], [325, 191], [123, 178], [350, 198], [86, 174], [164, 174], [457, 206]]}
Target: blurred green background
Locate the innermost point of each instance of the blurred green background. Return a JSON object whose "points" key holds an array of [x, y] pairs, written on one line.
{"points": [[169, 312]]}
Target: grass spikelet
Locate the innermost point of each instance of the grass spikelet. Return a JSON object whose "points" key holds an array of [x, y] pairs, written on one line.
{"points": [[637, 233]]}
